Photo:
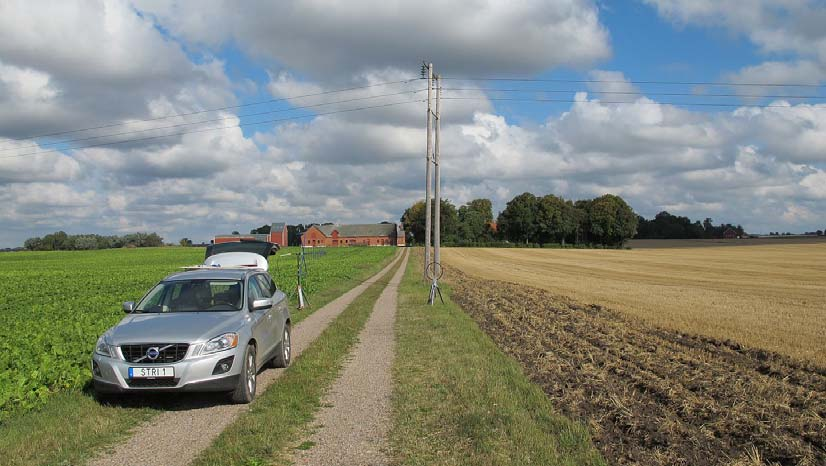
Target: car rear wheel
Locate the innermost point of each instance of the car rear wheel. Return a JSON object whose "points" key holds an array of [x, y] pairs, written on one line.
{"points": [[245, 390], [284, 349]]}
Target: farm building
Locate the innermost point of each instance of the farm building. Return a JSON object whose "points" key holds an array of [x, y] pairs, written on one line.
{"points": [[277, 235], [381, 234]]}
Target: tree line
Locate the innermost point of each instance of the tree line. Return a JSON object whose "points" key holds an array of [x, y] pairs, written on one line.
{"points": [[667, 226], [60, 241], [530, 219]]}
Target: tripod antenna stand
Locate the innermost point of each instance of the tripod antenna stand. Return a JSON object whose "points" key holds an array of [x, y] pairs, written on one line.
{"points": [[434, 273], [302, 270]]}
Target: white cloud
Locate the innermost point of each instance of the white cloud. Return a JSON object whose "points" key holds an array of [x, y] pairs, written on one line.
{"points": [[53, 166], [331, 40], [94, 61], [762, 167], [788, 26], [778, 28], [796, 214]]}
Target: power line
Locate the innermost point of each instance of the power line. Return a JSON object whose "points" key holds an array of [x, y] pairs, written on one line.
{"points": [[69, 141], [240, 125], [662, 94], [617, 81], [700, 104], [249, 104]]}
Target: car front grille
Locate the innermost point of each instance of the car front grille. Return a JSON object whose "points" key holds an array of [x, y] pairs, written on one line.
{"points": [[167, 352], [152, 383]]}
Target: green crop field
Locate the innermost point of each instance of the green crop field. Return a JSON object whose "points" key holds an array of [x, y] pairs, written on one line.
{"points": [[54, 305]]}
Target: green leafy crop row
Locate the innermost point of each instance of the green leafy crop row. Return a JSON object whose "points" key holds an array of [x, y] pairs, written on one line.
{"points": [[55, 304]]}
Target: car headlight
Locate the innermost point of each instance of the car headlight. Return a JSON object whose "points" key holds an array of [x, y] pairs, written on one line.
{"points": [[221, 343], [104, 349]]}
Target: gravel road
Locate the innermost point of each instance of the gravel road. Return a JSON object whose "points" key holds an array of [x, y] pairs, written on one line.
{"points": [[353, 429], [176, 436]]}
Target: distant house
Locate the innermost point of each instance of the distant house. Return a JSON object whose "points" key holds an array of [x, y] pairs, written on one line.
{"points": [[730, 233], [381, 234], [277, 235]]}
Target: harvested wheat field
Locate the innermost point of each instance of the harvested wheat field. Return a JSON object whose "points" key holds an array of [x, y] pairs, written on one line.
{"points": [[771, 297], [653, 396]]}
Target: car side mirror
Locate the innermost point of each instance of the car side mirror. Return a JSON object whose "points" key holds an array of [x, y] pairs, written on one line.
{"points": [[259, 304], [128, 307]]}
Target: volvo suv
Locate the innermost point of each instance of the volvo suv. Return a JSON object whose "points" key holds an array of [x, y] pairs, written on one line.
{"points": [[208, 329]]}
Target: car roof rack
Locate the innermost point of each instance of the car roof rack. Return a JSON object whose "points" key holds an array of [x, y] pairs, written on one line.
{"points": [[222, 267], [234, 260]]}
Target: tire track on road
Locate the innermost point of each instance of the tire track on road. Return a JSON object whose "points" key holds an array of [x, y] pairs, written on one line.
{"points": [[354, 429], [175, 437]]}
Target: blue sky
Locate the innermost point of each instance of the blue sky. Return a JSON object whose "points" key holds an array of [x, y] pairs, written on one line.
{"points": [[82, 64]]}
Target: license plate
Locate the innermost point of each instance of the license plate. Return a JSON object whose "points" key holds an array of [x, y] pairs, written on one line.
{"points": [[151, 372]]}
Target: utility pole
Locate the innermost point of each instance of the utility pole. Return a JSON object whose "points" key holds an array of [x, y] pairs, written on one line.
{"points": [[437, 232], [428, 175], [433, 273]]}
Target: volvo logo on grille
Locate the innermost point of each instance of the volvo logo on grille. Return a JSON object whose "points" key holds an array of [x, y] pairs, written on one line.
{"points": [[153, 353]]}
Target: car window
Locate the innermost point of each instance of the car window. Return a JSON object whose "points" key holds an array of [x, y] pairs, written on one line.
{"points": [[154, 298], [254, 289], [264, 283], [193, 296], [273, 288]]}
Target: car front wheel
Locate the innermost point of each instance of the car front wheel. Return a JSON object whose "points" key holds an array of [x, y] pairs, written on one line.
{"points": [[245, 390]]}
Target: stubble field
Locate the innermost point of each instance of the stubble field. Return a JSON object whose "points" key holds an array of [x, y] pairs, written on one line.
{"points": [[771, 297], [685, 390]]}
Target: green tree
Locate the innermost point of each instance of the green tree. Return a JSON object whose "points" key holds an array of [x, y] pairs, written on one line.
{"points": [[185, 242], [474, 221], [484, 207], [518, 221], [555, 219], [413, 221], [262, 230], [579, 211], [33, 244], [85, 242], [611, 220], [472, 225], [448, 221]]}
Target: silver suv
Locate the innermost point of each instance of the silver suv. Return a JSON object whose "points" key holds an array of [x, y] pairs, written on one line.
{"points": [[209, 330]]}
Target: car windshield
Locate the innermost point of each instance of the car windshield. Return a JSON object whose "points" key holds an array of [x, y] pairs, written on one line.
{"points": [[194, 296]]}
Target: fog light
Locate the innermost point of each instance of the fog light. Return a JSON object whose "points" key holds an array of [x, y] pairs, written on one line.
{"points": [[223, 366], [96, 368]]}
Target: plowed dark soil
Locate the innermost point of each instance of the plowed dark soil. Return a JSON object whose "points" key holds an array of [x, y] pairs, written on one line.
{"points": [[654, 396]]}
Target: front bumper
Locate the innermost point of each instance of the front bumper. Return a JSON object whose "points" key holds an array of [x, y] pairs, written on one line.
{"points": [[218, 384], [191, 375]]}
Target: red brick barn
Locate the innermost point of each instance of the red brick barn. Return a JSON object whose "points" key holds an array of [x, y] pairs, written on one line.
{"points": [[277, 235], [382, 234]]}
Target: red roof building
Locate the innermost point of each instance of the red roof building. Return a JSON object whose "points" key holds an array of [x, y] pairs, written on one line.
{"points": [[382, 234], [277, 235]]}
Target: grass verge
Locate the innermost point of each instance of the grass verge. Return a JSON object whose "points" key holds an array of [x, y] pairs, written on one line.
{"points": [[277, 419], [71, 426], [65, 430], [458, 399]]}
